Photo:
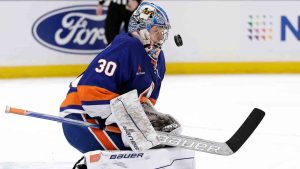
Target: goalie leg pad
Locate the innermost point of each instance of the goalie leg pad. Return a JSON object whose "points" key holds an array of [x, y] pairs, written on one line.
{"points": [[168, 158], [133, 122]]}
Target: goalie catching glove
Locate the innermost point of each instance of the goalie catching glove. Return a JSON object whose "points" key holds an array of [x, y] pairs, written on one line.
{"points": [[160, 121]]}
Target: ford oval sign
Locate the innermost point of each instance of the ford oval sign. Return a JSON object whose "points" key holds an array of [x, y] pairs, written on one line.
{"points": [[74, 29]]}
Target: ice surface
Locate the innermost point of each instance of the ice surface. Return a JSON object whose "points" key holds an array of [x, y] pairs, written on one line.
{"points": [[36, 165], [209, 106]]}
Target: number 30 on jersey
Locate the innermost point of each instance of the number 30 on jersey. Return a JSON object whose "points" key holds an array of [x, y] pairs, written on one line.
{"points": [[108, 68]]}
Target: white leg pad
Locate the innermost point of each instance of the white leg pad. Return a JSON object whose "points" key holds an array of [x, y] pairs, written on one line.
{"points": [[164, 158], [133, 121]]}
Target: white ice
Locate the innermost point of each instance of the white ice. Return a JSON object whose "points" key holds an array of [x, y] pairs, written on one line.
{"points": [[209, 106]]}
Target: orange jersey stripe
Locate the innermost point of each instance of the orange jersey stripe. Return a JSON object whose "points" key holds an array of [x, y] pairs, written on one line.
{"points": [[113, 129], [153, 101], [143, 99], [71, 99], [102, 137], [93, 93]]}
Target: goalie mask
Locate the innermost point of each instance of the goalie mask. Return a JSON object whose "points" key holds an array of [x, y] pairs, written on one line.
{"points": [[150, 21]]}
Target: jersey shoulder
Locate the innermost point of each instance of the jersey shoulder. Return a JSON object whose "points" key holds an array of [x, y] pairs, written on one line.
{"points": [[129, 48], [127, 37], [129, 41]]}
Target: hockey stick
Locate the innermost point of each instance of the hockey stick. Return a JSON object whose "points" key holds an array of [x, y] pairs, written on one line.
{"points": [[220, 148]]}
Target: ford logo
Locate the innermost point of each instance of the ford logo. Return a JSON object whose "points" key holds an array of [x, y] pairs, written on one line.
{"points": [[74, 29]]}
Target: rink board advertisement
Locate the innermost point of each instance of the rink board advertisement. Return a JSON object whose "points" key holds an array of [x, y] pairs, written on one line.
{"points": [[74, 29], [50, 33], [216, 35]]}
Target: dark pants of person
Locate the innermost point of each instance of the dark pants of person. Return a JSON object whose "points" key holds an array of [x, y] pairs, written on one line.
{"points": [[116, 14]]}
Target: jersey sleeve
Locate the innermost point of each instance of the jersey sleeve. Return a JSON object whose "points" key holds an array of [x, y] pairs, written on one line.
{"points": [[102, 80]]}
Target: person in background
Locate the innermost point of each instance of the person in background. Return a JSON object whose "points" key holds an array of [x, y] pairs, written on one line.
{"points": [[118, 11]]}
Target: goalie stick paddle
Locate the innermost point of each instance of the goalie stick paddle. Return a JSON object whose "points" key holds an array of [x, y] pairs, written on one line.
{"points": [[187, 142], [246, 129]]}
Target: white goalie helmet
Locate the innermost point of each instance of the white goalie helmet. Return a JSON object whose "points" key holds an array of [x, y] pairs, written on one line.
{"points": [[148, 15]]}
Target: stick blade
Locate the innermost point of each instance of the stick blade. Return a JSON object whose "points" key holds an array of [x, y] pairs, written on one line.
{"points": [[246, 129]]}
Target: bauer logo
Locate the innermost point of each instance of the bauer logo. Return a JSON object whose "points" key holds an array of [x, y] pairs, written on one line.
{"points": [[75, 29], [200, 146], [130, 155]]}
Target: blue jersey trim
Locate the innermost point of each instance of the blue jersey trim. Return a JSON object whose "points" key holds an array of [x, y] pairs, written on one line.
{"points": [[96, 102], [71, 107]]}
